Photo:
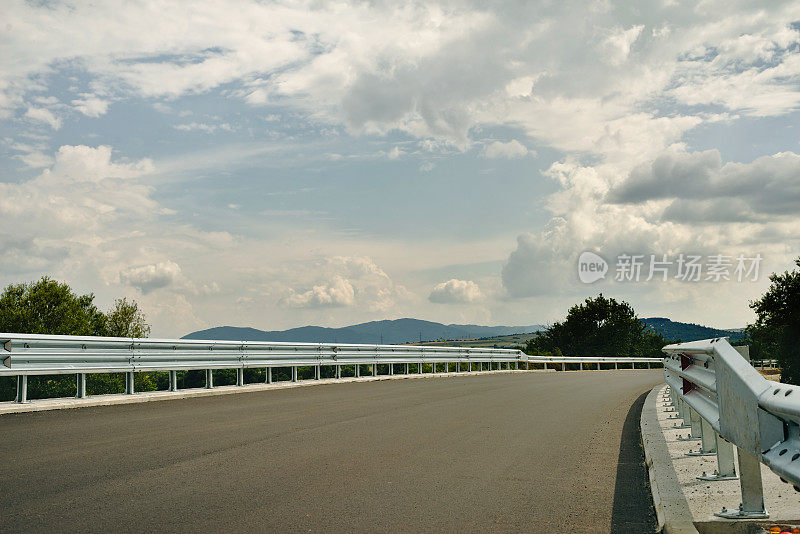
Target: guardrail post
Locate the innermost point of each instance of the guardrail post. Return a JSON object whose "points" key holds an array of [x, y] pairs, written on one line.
{"points": [[598, 366], [563, 366], [173, 380], [129, 383], [240, 376], [391, 368], [357, 370], [374, 369], [694, 424], [80, 386], [338, 371], [726, 467], [209, 378], [317, 372], [516, 366], [419, 368], [648, 365], [408, 368], [752, 505], [269, 375], [22, 389], [294, 373], [616, 366], [708, 442]]}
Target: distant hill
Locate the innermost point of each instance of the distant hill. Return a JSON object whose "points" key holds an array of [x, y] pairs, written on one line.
{"points": [[391, 332], [673, 330]]}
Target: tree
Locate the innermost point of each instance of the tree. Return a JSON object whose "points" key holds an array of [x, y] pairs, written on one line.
{"points": [[598, 327], [50, 307], [126, 320], [776, 332]]}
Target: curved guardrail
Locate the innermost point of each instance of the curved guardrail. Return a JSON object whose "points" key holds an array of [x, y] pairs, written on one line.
{"points": [[724, 400], [23, 355]]}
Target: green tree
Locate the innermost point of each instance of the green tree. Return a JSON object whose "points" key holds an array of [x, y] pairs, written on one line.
{"points": [[47, 307], [776, 332], [599, 326], [126, 320], [50, 307]]}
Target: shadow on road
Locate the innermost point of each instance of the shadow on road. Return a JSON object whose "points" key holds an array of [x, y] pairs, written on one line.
{"points": [[633, 506]]}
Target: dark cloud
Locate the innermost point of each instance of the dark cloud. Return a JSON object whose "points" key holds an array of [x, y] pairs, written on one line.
{"points": [[703, 189]]}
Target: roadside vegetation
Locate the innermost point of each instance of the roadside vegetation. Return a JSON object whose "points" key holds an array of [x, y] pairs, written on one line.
{"points": [[776, 332], [599, 326], [50, 307]]}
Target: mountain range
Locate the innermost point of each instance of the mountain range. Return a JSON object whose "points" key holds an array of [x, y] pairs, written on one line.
{"points": [[674, 331], [413, 330], [390, 332]]}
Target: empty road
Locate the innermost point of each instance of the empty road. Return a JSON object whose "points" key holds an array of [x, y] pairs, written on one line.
{"points": [[524, 452]]}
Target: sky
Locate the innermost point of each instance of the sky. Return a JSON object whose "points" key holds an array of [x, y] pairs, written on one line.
{"points": [[277, 164]]}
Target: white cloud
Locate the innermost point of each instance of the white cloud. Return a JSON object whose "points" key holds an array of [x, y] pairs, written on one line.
{"points": [[509, 150], [204, 127], [617, 45], [44, 115], [148, 278], [345, 281], [395, 153], [456, 291], [91, 106], [337, 292]]}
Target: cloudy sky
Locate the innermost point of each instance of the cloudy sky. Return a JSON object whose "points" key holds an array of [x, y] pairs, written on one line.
{"points": [[274, 164]]}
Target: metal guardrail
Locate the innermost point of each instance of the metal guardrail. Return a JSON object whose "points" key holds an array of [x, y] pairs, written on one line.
{"points": [[726, 402], [23, 355]]}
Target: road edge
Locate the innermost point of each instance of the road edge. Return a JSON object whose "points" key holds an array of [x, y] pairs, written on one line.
{"points": [[672, 509]]}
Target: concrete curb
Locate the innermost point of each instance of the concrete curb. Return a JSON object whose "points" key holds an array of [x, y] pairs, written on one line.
{"points": [[672, 509], [150, 396]]}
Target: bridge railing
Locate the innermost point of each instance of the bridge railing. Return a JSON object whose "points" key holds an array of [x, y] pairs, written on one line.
{"points": [[23, 355], [724, 401]]}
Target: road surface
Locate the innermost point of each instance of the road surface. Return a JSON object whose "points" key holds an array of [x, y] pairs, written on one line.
{"points": [[523, 452]]}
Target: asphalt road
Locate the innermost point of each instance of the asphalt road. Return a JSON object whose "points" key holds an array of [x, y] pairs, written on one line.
{"points": [[532, 452]]}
